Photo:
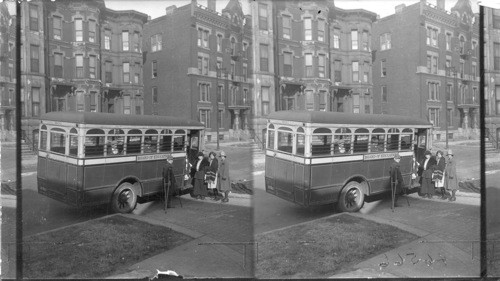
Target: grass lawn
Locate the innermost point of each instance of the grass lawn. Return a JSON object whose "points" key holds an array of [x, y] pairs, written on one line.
{"points": [[96, 248], [324, 247]]}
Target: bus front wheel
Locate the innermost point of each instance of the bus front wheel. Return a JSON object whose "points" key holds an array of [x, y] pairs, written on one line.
{"points": [[351, 198], [124, 199]]}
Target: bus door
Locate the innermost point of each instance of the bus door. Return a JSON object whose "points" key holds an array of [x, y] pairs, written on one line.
{"points": [[421, 137]]}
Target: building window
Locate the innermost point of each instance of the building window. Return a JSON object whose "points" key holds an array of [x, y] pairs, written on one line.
{"points": [[474, 71], [474, 49], [220, 93], [92, 66], [202, 38], [354, 39], [474, 96], [126, 72], [322, 100], [11, 71], [219, 42], [156, 41], [307, 29], [245, 72], [336, 38], [35, 105], [136, 42], [433, 91], [34, 56], [497, 100], [154, 94], [33, 17], [109, 73], [57, 27], [355, 103], [126, 104], [432, 34], [154, 69], [321, 65], [137, 73], [383, 91], [449, 92], [448, 41], [264, 58], [432, 64], [233, 46], [125, 41], [449, 119], [93, 104], [434, 116], [366, 73], [364, 40], [263, 16], [287, 27], [58, 65], [309, 65], [203, 64], [245, 97], [321, 30], [205, 117], [462, 69], [385, 41], [79, 66], [355, 71], [78, 30], [233, 68], [232, 97], [92, 28], [448, 67], [338, 70], [496, 56], [221, 118], [107, 39], [287, 64], [383, 69], [462, 44], [265, 100], [204, 92]]}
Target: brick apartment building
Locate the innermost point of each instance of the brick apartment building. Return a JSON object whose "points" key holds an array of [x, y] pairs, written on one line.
{"points": [[426, 59], [198, 65], [79, 56], [7, 73], [492, 74], [310, 55]]}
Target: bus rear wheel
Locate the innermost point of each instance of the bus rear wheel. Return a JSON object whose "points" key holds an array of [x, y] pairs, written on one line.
{"points": [[351, 198], [124, 199]]}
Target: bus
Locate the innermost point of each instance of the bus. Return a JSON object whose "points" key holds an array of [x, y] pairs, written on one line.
{"points": [[88, 158], [317, 158]]}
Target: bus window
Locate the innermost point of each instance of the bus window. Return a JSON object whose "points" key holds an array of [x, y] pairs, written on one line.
{"points": [[285, 139], [43, 138], [361, 137], [151, 141], [73, 142], [94, 142], [166, 140], [393, 139], [321, 142], [300, 143], [179, 143], [270, 138], [377, 141], [115, 142], [342, 141], [134, 140], [57, 140], [406, 139]]}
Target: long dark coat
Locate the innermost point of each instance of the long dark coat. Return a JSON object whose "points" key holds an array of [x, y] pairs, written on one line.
{"points": [[451, 181], [426, 174], [212, 169], [199, 187], [224, 181]]}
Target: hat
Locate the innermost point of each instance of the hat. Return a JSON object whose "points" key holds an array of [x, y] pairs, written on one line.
{"points": [[170, 157], [222, 153], [200, 154], [397, 156], [439, 152], [427, 152], [449, 152]]}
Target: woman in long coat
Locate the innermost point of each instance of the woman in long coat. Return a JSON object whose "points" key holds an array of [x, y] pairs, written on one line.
{"points": [[439, 172], [211, 174], [451, 181], [198, 172], [224, 181], [425, 172]]}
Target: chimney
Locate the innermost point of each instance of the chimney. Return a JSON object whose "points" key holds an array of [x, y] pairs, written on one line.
{"points": [[440, 4], [399, 8], [211, 5], [170, 9]]}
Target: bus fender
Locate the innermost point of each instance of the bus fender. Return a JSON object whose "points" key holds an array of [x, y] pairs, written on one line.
{"points": [[138, 189], [365, 186]]}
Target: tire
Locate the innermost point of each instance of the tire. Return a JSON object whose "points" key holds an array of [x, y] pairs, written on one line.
{"points": [[351, 198], [124, 199]]}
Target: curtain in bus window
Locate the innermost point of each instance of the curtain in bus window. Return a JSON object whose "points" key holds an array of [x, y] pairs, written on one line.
{"points": [[73, 142], [43, 138], [342, 141], [361, 139], [406, 139], [300, 142], [285, 139], [179, 140], [393, 139], [166, 140], [321, 142], [57, 140], [151, 141], [94, 143], [115, 142], [377, 140], [134, 140]]}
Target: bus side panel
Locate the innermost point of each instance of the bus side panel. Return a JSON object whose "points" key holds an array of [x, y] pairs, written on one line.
{"points": [[298, 183], [72, 184], [56, 175], [151, 176], [379, 168], [283, 176], [322, 180], [41, 167], [269, 175], [99, 182]]}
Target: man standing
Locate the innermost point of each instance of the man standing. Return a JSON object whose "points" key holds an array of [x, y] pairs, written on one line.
{"points": [[396, 178], [224, 181], [451, 181], [170, 186]]}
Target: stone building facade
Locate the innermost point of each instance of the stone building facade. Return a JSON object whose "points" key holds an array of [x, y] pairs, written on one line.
{"points": [[492, 74], [7, 73]]}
